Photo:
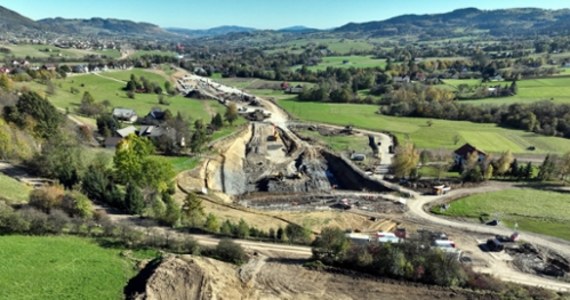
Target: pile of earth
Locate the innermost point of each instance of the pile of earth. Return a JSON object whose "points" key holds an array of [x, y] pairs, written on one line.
{"points": [[531, 259], [190, 277]]}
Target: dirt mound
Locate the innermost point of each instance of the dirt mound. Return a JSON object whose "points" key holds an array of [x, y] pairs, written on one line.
{"points": [[184, 278], [188, 277]]}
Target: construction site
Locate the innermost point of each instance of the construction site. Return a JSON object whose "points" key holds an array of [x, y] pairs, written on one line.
{"points": [[271, 173]]}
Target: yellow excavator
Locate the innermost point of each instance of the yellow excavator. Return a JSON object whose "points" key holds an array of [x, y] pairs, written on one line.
{"points": [[275, 136]]}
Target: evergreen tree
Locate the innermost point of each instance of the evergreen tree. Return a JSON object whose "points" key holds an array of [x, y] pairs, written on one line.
{"points": [[515, 169], [547, 169], [217, 121], [172, 214], [242, 230], [193, 210], [212, 224], [134, 200], [226, 228], [528, 171]]}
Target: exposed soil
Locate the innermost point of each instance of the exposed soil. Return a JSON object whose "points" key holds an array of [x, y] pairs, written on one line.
{"points": [[535, 260], [188, 277]]}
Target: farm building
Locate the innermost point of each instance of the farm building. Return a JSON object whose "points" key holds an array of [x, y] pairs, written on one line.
{"points": [[464, 151]]}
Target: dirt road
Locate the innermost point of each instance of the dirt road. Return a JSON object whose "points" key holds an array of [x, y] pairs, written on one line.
{"points": [[495, 266]]}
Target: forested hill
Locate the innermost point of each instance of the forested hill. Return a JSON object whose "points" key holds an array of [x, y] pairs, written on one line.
{"points": [[15, 24], [99, 26], [458, 23], [461, 22], [12, 21]]}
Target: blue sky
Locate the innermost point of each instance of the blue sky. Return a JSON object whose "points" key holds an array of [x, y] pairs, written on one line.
{"points": [[263, 14]]}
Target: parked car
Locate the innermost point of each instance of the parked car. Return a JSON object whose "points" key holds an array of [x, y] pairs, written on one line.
{"points": [[494, 222], [495, 245]]}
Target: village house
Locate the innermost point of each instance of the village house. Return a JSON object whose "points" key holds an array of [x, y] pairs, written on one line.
{"points": [[154, 117], [298, 89], [464, 151], [125, 114], [157, 132], [124, 132], [401, 79]]}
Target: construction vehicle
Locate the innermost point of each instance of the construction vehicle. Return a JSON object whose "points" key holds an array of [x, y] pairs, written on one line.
{"points": [[275, 136]]}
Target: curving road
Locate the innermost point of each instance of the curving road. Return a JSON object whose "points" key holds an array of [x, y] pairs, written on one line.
{"points": [[417, 211]]}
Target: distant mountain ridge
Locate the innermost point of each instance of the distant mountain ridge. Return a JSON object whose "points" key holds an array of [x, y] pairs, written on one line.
{"points": [[460, 22], [216, 31], [16, 24], [298, 29], [502, 22], [11, 21], [99, 26]]}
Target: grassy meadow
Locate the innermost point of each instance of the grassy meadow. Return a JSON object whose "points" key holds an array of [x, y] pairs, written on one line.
{"points": [[339, 46], [544, 212], [45, 51], [13, 191], [440, 135], [108, 86], [61, 267], [556, 89], [352, 62]]}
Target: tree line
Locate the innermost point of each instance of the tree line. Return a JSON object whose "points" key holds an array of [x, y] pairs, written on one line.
{"points": [[543, 117]]}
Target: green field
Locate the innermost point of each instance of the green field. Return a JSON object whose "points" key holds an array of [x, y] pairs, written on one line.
{"points": [[45, 51], [106, 87], [126, 75], [181, 163], [531, 90], [61, 268], [352, 62], [544, 212], [139, 53], [13, 191], [339, 46], [440, 135], [358, 143]]}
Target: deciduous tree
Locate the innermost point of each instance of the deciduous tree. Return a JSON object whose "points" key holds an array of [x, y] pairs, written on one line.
{"points": [[231, 113], [192, 209], [405, 160]]}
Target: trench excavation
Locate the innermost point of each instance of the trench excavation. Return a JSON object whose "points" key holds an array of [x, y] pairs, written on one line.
{"points": [[276, 162]]}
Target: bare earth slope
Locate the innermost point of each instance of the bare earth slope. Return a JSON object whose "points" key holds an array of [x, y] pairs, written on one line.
{"points": [[189, 277]]}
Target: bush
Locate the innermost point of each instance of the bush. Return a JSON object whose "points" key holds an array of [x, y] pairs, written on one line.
{"points": [[187, 245], [229, 251], [316, 265], [38, 221], [11, 221], [47, 197], [298, 234], [77, 205], [57, 220]]}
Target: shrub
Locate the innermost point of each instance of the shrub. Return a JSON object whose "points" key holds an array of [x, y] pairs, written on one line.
{"points": [[78, 205], [47, 197], [38, 221], [229, 251]]}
